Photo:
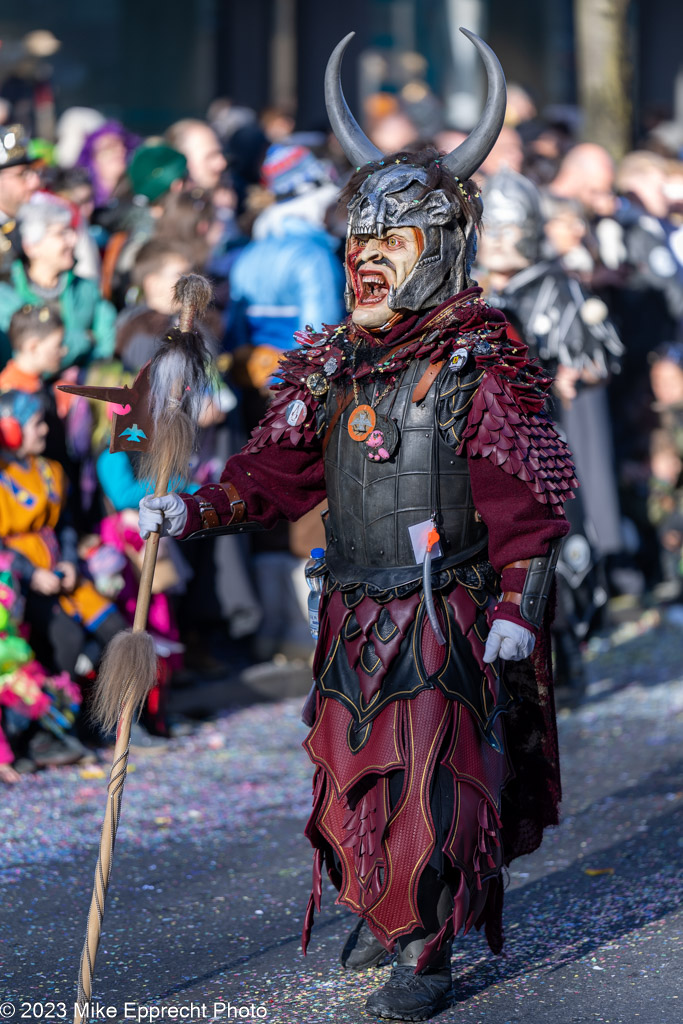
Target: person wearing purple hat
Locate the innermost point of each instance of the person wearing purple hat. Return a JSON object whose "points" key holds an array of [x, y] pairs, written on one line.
{"points": [[105, 154]]}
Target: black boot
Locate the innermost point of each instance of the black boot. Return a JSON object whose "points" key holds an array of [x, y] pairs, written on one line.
{"points": [[362, 949], [410, 996]]}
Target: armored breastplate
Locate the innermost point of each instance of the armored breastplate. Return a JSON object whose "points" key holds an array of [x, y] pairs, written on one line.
{"points": [[373, 503]]}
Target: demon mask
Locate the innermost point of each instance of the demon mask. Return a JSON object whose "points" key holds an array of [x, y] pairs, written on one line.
{"points": [[409, 246]]}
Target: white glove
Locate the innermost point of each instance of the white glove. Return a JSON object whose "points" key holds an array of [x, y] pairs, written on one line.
{"points": [[509, 641], [166, 514]]}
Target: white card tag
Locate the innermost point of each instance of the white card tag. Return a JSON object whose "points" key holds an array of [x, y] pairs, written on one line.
{"points": [[418, 538]]}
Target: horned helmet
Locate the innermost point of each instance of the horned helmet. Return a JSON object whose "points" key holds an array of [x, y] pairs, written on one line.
{"points": [[514, 222], [399, 195]]}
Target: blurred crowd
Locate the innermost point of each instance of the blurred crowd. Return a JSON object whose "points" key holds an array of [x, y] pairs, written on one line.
{"points": [[96, 226]]}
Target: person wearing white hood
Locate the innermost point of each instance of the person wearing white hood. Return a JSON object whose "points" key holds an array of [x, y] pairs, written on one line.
{"points": [[289, 276], [73, 127]]}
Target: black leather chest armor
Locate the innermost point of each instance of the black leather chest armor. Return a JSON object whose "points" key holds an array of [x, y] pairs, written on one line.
{"points": [[372, 504]]}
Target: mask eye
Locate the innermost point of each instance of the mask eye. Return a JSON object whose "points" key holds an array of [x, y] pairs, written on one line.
{"points": [[393, 242]]}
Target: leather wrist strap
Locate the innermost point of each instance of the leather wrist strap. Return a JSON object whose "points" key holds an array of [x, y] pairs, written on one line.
{"points": [[514, 596], [237, 504], [210, 517], [208, 514]]}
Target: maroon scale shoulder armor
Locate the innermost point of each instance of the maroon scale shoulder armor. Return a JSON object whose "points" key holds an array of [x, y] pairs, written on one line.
{"points": [[524, 443], [293, 370], [494, 407]]}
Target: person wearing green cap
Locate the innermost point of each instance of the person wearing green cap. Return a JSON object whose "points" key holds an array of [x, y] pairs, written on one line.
{"points": [[155, 170]]}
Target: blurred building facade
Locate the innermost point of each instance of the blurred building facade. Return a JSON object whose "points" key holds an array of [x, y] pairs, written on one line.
{"points": [[151, 63]]}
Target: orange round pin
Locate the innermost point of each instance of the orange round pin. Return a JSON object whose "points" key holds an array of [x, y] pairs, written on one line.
{"points": [[361, 422]]}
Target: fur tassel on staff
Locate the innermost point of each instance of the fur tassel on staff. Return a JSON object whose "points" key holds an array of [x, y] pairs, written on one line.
{"points": [[164, 401], [178, 382]]}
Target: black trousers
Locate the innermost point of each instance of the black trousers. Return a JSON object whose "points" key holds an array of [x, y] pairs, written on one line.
{"points": [[57, 639]]}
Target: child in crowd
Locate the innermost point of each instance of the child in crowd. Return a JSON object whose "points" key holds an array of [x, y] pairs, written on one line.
{"points": [[68, 619], [36, 334], [38, 710], [221, 580], [190, 220], [158, 265]]}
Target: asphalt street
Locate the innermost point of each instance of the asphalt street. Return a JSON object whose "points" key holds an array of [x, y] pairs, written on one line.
{"points": [[212, 874]]}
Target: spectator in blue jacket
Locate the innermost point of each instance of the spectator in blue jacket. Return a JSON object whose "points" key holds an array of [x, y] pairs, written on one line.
{"points": [[289, 276]]}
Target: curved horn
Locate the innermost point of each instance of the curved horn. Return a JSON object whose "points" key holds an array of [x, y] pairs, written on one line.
{"points": [[352, 139], [470, 154]]}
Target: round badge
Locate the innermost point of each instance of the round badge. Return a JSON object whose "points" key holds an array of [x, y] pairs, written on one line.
{"points": [[542, 324], [295, 413], [593, 311], [317, 384], [576, 551], [458, 359], [662, 262], [361, 422], [381, 443]]}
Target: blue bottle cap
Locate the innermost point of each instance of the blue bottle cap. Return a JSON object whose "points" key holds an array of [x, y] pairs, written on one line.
{"points": [[317, 552]]}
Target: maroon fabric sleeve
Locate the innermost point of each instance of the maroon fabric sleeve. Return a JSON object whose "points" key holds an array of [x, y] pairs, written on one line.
{"points": [[194, 521], [276, 482], [508, 610], [513, 580], [519, 526]]}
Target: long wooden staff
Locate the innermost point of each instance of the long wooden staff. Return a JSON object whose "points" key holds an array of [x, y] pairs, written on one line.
{"points": [[139, 650], [164, 403]]}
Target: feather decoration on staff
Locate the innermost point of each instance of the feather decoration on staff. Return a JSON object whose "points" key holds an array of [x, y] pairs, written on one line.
{"points": [[163, 407]]}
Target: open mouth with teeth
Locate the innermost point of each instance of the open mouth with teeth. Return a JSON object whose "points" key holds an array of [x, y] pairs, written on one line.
{"points": [[371, 288]]}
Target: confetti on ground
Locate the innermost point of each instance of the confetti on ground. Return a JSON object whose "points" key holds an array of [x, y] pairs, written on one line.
{"points": [[211, 872]]}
